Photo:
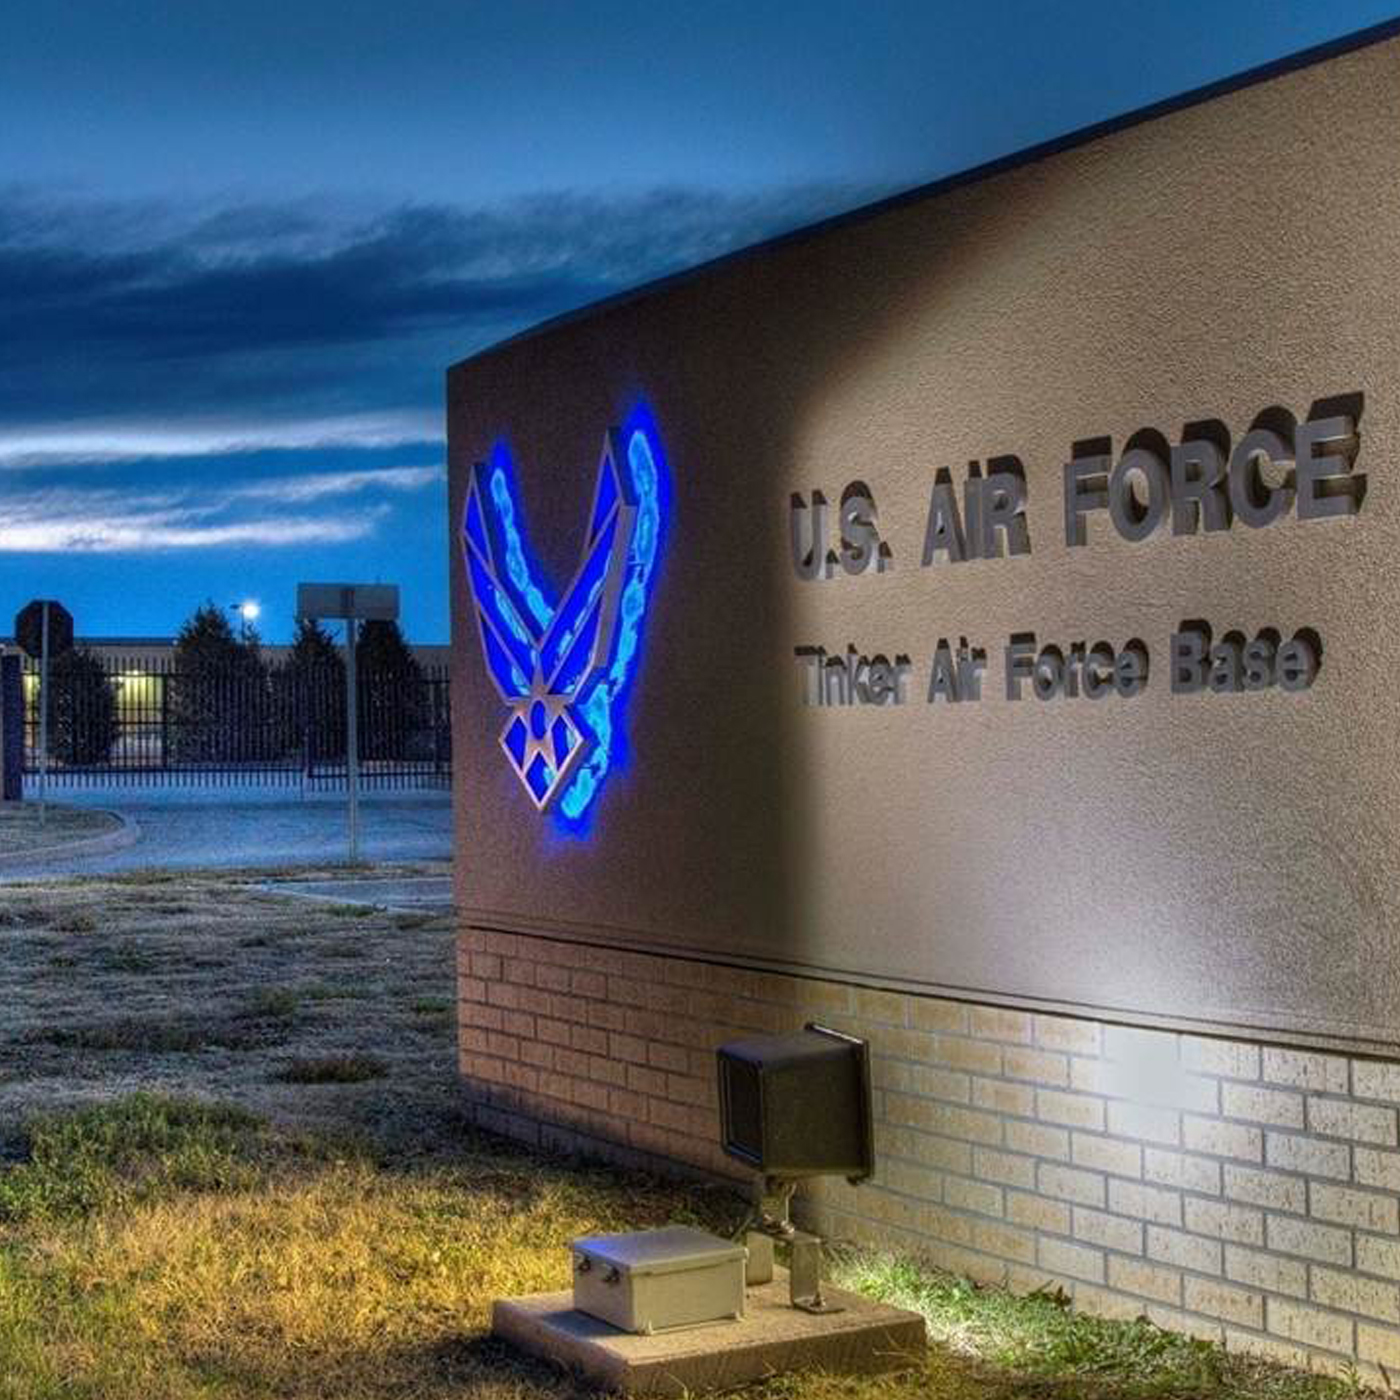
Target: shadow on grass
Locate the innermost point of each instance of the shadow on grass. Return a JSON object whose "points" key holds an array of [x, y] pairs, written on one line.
{"points": [[169, 1035], [333, 1069]]}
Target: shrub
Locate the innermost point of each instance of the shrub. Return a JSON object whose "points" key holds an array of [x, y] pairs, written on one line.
{"points": [[83, 723]]}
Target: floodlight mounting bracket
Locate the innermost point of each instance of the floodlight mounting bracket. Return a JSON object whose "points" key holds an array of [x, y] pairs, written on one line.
{"points": [[772, 1220]]}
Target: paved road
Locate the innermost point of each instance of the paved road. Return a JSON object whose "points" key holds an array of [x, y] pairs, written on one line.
{"points": [[240, 829]]}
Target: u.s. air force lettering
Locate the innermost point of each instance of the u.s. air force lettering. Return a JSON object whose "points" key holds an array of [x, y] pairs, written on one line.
{"points": [[1199, 485], [1277, 469]]}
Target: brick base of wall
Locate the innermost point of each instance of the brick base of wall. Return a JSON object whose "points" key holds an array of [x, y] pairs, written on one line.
{"points": [[1245, 1193]]}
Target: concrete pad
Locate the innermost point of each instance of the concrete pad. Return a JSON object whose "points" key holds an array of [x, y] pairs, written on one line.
{"points": [[774, 1336]]}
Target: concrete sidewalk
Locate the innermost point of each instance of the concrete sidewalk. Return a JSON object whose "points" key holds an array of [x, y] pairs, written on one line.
{"points": [[255, 829], [405, 894]]}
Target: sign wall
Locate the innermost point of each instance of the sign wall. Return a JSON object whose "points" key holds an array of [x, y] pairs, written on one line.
{"points": [[1029, 613]]}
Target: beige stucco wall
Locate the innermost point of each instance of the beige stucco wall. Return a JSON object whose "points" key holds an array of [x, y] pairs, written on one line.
{"points": [[1210, 860]]}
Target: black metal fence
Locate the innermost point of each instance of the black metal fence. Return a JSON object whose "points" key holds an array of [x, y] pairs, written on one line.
{"points": [[266, 724]]}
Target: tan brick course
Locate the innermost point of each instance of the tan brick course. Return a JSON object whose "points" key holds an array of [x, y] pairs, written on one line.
{"points": [[1256, 1105], [1375, 1255], [1325, 1074], [1106, 1154], [1154, 1203], [1376, 1168], [1181, 1169], [1360, 1122], [1266, 1271], [1275, 1190], [1367, 1210], [1147, 1280], [1254, 1196], [1349, 1292], [1310, 1326], [1225, 1301]]}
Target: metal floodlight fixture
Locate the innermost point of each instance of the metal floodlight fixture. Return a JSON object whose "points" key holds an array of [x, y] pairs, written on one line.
{"points": [[251, 609], [792, 1107]]}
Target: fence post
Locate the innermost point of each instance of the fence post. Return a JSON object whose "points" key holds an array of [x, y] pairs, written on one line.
{"points": [[439, 710], [165, 673], [11, 730]]}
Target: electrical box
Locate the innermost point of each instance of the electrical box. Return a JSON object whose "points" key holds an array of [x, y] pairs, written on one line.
{"points": [[798, 1105], [657, 1280]]}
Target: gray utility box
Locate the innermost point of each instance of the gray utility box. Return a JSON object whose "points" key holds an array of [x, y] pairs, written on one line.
{"points": [[656, 1280]]}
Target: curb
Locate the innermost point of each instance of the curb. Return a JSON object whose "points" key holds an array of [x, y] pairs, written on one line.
{"points": [[128, 833]]}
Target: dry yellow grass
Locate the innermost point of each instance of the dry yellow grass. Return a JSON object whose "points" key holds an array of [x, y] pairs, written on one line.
{"points": [[345, 1277]]}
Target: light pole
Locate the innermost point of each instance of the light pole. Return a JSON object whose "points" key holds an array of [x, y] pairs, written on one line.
{"points": [[353, 602]]}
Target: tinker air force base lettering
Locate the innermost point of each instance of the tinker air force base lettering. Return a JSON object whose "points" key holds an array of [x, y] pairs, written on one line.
{"points": [[1278, 469]]}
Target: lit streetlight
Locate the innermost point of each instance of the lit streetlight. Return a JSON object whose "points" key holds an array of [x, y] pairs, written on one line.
{"points": [[249, 610]]}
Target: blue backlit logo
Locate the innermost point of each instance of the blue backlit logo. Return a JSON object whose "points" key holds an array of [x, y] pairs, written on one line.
{"points": [[564, 668]]}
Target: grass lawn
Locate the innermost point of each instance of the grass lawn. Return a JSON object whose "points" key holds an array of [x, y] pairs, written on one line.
{"points": [[20, 830], [233, 1165]]}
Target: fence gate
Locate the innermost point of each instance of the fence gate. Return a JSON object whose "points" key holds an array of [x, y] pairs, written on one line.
{"points": [[250, 724]]}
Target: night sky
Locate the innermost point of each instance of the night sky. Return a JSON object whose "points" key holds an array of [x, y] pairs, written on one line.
{"points": [[240, 242]]}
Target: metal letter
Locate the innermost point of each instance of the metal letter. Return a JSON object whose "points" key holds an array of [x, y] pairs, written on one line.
{"points": [[860, 539], [1018, 659], [943, 676], [810, 659], [1189, 649], [858, 672], [1326, 485], [1132, 669], [1004, 509], [1098, 671], [1199, 487], [1048, 676], [1254, 500], [1226, 673], [944, 531], [1259, 663], [1297, 664], [1085, 489], [1133, 519], [972, 661], [972, 510], [807, 527], [881, 680], [835, 681]]}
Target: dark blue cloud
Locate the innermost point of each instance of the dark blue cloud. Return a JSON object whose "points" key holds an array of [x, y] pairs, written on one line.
{"points": [[284, 310]]}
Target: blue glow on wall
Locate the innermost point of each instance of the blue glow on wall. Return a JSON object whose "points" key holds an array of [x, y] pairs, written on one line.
{"points": [[566, 668]]}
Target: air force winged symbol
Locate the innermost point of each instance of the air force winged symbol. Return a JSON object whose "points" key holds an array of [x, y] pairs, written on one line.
{"points": [[564, 668]]}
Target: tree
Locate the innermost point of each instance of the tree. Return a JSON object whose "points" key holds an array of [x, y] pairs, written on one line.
{"points": [[393, 695], [83, 723], [219, 702], [311, 691]]}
